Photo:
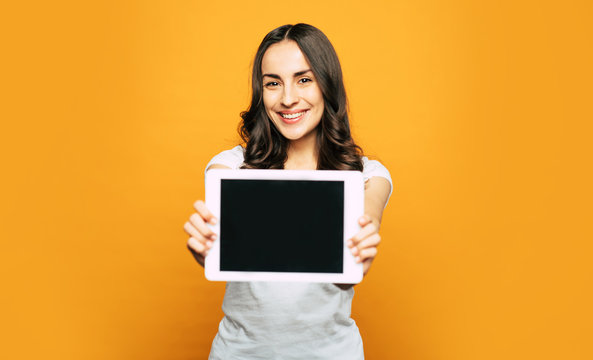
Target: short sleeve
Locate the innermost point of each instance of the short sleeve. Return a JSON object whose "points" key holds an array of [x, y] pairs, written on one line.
{"points": [[232, 158], [372, 168]]}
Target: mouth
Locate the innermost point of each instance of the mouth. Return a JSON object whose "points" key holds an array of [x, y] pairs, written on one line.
{"points": [[291, 117]]}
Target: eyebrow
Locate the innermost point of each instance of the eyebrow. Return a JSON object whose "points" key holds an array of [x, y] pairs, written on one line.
{"points": [[298, 73]]}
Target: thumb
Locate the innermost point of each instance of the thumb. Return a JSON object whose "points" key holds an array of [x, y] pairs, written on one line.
{"points": [[363, 220]]}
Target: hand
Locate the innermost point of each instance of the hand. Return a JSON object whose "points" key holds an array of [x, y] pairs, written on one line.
{"points": [[201, 236], [364, 244]]}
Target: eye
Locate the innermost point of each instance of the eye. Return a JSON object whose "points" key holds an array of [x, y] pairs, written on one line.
{"points": [[305, 80], [271, 84]]}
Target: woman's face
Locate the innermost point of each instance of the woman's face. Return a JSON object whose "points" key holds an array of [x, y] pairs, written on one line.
{"points": [[292, 98]]}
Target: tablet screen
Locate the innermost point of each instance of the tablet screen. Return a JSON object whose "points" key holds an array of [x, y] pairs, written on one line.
{"points": [[282, 225]]}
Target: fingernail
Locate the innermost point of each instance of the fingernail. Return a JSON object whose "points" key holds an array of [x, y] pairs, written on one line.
{"points": [[354, 251], [213, 236], [349, 243], [209, 244], [213, 221], [357, 259]]}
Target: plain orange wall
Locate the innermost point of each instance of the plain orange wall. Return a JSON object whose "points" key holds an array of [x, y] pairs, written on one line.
{"points": [[480, 110]]}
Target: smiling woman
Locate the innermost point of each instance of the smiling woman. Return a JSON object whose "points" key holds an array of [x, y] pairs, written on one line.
{"points": [[297, 119], [295, 70]]}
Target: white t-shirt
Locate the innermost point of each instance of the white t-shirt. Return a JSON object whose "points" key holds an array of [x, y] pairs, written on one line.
{"points": [[282, 320]]}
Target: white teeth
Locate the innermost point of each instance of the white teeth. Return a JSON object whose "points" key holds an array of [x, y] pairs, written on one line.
{"points": [[292, 116]]}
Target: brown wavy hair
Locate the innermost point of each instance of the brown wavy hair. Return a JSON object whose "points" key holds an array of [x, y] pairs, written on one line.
{"points": [[265, 147]]}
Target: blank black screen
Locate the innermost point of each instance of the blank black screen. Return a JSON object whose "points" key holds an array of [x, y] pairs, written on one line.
{"points": [[282, 226]]}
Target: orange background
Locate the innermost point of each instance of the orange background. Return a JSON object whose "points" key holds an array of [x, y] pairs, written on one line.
{"points": [[481, 111]]}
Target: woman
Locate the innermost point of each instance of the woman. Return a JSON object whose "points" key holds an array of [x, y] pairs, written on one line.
{"points": [[297, 120]]}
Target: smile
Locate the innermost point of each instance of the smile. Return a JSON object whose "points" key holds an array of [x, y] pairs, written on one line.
{"points": [[291, 118]]}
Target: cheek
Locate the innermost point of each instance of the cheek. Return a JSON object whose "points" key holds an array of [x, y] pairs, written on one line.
{"points": [[319, 104], [269, 101], [317, 99]]}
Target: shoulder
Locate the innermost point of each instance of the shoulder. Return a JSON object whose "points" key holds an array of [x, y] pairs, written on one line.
{"points": [[232, 158], [373, 168]]}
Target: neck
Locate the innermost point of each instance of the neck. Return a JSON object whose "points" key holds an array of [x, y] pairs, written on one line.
{"points": [[302, 153]]}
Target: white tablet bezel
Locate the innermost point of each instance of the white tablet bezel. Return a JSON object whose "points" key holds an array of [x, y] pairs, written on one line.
{"points": [[353, 210]]}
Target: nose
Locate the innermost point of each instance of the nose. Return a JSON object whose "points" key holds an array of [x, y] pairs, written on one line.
{"points": [[290, 96]]}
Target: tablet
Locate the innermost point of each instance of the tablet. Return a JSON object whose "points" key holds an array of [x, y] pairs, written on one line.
{"points": [[284, 225]]}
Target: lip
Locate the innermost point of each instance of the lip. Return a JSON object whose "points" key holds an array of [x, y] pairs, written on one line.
{"points": [[295, 120]]}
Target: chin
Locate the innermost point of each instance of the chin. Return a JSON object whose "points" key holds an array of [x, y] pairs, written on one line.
{"points": [[291, 136]]}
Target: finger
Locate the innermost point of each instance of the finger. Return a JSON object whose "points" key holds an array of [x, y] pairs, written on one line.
{"points": [[199, 257], [197, 246], [363, 233], [369, 242], [201, 226], [372, 241], [201, 208], [366, 254], [190, 229], [194, 233]]}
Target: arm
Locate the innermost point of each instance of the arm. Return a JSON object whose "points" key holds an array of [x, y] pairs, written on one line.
{"points": [[364, 244], [201, 237]]}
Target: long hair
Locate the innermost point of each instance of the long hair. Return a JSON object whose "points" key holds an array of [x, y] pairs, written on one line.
{"points": [[265, 147]]}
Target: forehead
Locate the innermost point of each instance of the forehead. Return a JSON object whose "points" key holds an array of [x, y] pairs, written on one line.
{"points": [[284, 58]]}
